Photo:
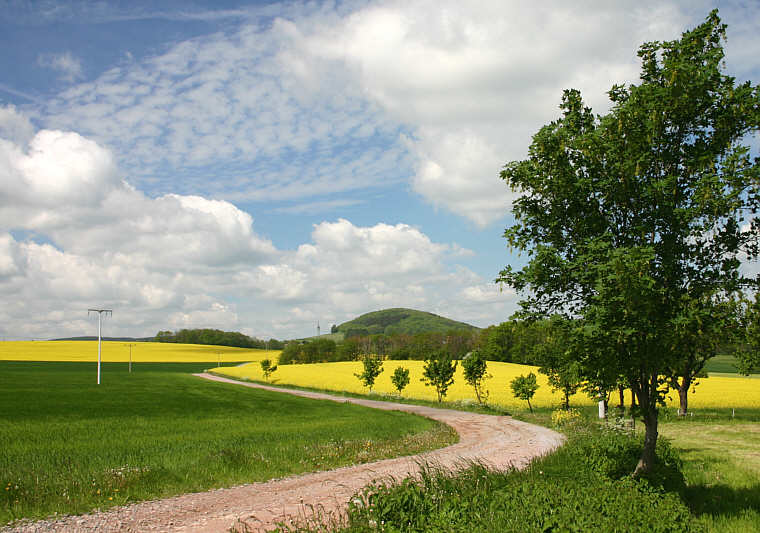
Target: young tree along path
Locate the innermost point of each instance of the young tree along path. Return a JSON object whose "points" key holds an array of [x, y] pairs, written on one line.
{"points": [[497, 441]]}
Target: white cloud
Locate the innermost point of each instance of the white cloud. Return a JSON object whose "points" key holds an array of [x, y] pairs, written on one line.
{"points": [[68, 66], [15, 126], [321, 100], [319, 206], [74, 234], [475, 81], [298, 103]]}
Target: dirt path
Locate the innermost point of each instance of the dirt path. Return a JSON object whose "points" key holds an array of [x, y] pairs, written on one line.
{"points": [[498, 441]]}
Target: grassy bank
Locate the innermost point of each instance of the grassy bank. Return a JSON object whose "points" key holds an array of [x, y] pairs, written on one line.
{"points": [[69, 446]]}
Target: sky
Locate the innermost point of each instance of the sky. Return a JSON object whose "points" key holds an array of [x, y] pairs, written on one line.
{"points": [[265, 167]]}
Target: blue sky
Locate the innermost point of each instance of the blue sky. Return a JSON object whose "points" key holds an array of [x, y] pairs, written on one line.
{"points": [[261, 167]]}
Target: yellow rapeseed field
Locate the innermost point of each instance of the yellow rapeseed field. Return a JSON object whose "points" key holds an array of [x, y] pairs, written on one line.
{"points": [[716, 391], [118, 352]]}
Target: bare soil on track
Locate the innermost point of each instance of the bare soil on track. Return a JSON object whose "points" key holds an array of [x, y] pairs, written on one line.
{"points": [[499, 442]]}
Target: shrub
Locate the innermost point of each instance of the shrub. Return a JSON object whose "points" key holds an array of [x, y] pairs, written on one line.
{"points": [[565, 417], [614, 455]]}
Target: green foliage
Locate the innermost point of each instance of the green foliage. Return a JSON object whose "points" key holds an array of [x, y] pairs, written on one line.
{"points": [[749, 357], [267, 368], [631, 217], [400, 378], [524, 387], [558, 360], [372, 367], [566, 491], [159, 432], [613, 454], [400, 321], [348, 350], [315, 351], [515, 341], [398, 346], [475, 371], [438, 372], [216, 337]]}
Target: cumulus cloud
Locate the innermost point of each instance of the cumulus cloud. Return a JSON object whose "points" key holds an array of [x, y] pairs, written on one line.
{"points": [[475, 81], [75, 234]]}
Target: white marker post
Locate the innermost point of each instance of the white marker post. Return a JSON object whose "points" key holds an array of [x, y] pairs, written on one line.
{"points": [[100, 314]]}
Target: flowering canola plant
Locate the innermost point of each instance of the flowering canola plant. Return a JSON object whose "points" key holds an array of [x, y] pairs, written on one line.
{"points": [[118, 352], [715, 391]]}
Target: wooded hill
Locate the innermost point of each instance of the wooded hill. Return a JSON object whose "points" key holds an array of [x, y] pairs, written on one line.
{"points": [[399, 321]]}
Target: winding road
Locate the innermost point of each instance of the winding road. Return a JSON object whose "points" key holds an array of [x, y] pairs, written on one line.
{"points": [[497, 441]]}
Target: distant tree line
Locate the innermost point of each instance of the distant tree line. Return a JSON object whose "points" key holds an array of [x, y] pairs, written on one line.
{"points": [[217, 337], [514, 341], [456, 343]]}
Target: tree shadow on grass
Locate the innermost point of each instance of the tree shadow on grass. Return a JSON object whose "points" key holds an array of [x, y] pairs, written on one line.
{"points": [[722, 500]]}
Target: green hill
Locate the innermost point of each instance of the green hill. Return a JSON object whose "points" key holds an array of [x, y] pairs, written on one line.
{"points": [[400, 320]]}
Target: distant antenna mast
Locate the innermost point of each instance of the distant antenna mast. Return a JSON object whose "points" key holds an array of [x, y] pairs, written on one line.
{"points": [[318, 328], [100, 314]]}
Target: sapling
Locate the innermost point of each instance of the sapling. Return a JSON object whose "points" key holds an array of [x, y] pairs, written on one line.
{"points": [[373, 367], [267, 368], [400, 378], [524, 387]]}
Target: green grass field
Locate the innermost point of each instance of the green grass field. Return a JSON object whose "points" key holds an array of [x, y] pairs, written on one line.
{"points": [[724, 364], [69, 446], [721, 459]]}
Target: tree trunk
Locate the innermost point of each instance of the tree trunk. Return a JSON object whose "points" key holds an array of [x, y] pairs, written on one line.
{"points": [[530, 406], [621, 393], [567, 401], [633, 399], [683, 395], [646, 461]]}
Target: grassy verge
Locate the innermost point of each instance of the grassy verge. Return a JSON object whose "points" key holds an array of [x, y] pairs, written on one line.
{"points": [[708, 479], [69, 446]]}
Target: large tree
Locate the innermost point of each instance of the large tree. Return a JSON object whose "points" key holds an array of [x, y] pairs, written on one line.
{"points": [[630, 216]]}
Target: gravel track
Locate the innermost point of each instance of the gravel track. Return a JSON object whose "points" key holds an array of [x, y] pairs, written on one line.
{"points": [[496, 441]]}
